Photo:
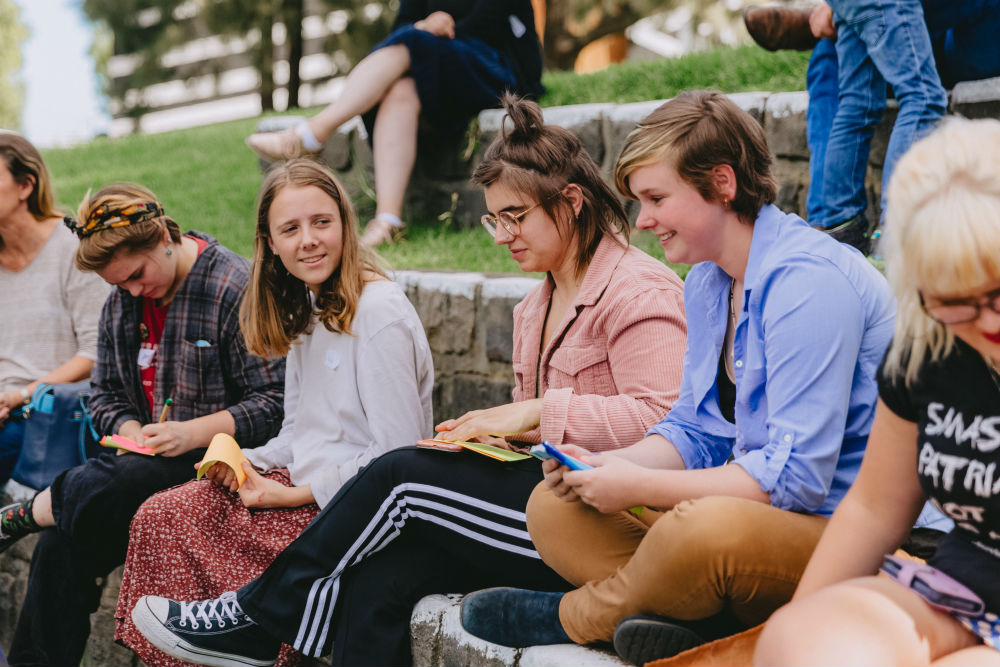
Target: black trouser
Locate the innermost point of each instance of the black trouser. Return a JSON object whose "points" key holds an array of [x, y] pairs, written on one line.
{"points": [[412, 522], [93, 505]]}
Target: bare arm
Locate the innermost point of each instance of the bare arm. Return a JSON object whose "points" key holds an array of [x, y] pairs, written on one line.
{"points": [[73, 370], [877, 512]]}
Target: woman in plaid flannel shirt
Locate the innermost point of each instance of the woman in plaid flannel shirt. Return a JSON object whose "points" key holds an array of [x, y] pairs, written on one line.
{"points": [[170, 330]]}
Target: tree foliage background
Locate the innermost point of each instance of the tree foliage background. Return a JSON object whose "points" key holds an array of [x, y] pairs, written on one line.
{"points": [[150, 28], [12, 35]]}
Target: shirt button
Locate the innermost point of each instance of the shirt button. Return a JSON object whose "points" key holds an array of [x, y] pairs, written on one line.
{"points": [[743, 451], [739, 363], [787, 438]]}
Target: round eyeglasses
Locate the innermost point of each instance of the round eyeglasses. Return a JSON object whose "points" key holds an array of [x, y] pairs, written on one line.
{"points": [[960, 311], [511, 222]]}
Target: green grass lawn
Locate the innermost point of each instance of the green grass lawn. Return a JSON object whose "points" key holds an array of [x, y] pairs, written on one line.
{"points": [[733, 70], [207, 179]]}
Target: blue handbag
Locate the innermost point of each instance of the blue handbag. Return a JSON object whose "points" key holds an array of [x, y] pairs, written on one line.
{"points": [[58, 433]]}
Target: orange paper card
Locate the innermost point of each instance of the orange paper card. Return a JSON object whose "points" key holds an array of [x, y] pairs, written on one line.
{"points": [[223, 449]]}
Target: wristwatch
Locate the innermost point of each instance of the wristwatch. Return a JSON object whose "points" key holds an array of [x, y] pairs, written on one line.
{"points": [[25, 395]]}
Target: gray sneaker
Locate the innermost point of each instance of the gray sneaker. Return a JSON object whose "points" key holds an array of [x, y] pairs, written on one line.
{"points": [[209, 632]]}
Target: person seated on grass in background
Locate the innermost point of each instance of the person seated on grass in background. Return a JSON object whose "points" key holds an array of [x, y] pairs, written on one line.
{"points": [[443, 62], [597, 358], [169, 330], [358, 383], [920, 47], [786, 328], [934, 436], [51, 330]]}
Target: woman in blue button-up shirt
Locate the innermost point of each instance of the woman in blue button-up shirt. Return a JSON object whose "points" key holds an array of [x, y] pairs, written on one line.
{"points": [[786, 328]]}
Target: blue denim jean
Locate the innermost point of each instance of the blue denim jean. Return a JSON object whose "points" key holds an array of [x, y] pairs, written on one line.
{"points": [[880, 42]]}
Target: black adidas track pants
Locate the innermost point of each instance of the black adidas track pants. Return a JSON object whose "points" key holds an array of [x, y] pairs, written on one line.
{"points": [[411, 523]]}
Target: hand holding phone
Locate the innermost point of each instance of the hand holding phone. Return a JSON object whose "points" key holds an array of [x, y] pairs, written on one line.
{"points": [[547, 451]]}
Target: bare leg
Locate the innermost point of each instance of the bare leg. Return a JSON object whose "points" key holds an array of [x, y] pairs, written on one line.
{"points": [[369, 81], [394, 140], [367, 84], [395, 144], [869, 621], [976, 656], [41, 509]]}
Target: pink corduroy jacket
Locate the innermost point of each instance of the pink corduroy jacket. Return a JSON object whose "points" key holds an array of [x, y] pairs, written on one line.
{"points": [[613, 367]]}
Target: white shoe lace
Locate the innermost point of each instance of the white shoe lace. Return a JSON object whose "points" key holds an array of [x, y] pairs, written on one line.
{"points": [[217, 610]]}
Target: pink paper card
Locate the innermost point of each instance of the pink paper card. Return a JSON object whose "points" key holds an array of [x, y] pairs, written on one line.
{"points": [[119, 442]]}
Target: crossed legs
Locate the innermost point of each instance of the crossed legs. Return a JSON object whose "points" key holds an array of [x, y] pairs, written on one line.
{"points": [[379, 79]]}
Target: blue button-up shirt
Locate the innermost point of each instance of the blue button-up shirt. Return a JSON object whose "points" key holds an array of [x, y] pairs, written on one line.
{"points": [[815, 320]]}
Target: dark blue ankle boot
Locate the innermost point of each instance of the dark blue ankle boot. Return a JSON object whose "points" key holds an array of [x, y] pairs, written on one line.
{"points": [[514, 617]]}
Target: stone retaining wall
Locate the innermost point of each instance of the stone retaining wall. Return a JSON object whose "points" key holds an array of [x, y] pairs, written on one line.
{"points": [[468, 320], [469, 324]]}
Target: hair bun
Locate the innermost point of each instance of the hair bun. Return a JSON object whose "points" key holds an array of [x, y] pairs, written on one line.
{"points": [[524, 118]]}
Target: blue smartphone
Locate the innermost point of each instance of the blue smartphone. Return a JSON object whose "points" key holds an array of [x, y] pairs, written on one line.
{"points": [[547, 451]]}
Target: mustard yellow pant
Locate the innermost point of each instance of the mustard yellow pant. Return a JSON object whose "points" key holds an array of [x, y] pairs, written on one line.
{"points": [[702, 557]]}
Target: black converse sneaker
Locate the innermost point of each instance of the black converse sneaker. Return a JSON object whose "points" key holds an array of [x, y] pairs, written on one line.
{"points": [[16, 521], [210, 632]]}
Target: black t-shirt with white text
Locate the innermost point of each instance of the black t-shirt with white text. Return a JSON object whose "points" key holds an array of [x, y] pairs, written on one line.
{"points": [[955, 403]]}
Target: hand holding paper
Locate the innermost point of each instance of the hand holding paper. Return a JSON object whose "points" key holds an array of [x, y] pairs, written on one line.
{"points": [[126, 444], [223, 450]]}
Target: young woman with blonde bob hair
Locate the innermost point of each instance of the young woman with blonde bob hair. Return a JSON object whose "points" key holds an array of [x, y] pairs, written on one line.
{"points": [[935, 436], [596, 353], [358, 383], [169, 330], [785, 329]]}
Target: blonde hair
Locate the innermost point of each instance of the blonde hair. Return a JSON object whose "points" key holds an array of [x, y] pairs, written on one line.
{"points": [[25, 163], [942, 232], [695, 132], [97, 249], [539, 160], [278, 307]]}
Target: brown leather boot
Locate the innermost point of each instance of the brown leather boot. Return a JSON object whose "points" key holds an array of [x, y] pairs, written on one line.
{"points": [[780, 28]]}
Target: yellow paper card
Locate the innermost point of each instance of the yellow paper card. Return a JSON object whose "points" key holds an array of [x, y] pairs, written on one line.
{"points": [[223, 449]]}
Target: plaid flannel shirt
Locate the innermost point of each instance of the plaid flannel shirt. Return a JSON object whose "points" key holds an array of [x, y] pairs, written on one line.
{"points": [[200, 380]]}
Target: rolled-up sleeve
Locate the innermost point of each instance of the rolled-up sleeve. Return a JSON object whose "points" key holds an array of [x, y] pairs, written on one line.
{"points": [[808, 386]]}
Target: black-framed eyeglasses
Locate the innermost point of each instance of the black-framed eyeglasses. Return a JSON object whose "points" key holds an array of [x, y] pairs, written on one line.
{"points": [[510, 221], [961, 311]]}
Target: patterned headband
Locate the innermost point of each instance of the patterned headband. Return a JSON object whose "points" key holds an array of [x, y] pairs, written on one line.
{"points": [[104, 217]]}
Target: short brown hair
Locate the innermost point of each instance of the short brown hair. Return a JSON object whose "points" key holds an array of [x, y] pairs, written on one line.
{"points": [[278, 307], [697, 131], [25, 163], [98, 249], [540, 160]]}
